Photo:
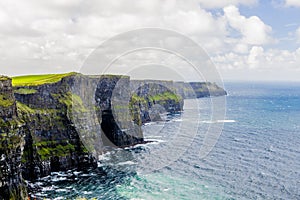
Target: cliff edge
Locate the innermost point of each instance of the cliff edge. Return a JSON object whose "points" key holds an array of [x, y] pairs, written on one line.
{"points": [[58, 122]]}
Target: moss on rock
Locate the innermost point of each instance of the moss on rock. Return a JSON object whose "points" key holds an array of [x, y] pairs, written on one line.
{"points": [[25, 91], [6, 101]]}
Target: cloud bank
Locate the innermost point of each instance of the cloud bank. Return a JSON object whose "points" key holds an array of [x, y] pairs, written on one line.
{"points": [[57, 36], [294, 3]]}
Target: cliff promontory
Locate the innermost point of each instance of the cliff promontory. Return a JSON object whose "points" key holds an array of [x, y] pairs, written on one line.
{"points": [[58, 122]]}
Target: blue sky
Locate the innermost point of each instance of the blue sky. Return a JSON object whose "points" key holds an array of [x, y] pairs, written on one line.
{"points": [[246, 39], [284, 20]]}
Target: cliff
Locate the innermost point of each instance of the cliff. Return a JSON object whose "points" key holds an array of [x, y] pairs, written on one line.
{"points": [[11, 144], [59, 122], [192, 90], [151, 98]]}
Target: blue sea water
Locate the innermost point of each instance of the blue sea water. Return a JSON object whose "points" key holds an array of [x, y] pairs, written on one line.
{"points": [[257, 155]]}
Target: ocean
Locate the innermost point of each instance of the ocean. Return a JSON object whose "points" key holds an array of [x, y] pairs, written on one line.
{"points": [[257, 155]]}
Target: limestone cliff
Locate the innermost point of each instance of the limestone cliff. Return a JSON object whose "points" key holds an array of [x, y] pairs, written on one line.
{"points": [[151, 98], [11, 144], [64, 124]]}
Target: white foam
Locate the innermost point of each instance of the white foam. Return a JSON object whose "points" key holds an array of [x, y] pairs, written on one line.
{"points": [[218, 121], [153, 136], [156, 141], [86, 192], [51, 188], [59, 179], [226, 121], [177, 120], [58, 198], [127, 163]]}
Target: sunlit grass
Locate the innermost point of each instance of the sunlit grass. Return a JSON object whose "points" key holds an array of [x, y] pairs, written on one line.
{"points": [[35, 80]]}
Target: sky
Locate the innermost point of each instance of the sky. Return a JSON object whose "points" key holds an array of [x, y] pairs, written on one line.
{"points": [[246, 39]]}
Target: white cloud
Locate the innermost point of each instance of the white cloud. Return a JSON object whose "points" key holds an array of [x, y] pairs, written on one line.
{"points": [[295, 3], [223, 3], [255, 57], [65, 32], [260, 59], [253, 30], [241, 48], [42, 37], [298, 35]]}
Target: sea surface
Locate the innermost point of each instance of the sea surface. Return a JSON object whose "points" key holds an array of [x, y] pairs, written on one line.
{"points": [[257, 155]]}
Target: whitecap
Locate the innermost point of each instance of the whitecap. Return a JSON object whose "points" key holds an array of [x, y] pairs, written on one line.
{"points": [[59, 179], [58, 198], [218, 121], [61, 190], [86, 192], [127, 163], [178, 120], [226, 121], [51, 188], [76, 173], [40, 194]]}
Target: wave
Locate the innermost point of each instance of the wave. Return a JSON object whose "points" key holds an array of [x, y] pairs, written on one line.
{"points": [[127, 163], [218, 121]]}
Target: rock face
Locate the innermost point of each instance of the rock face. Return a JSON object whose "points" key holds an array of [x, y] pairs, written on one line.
{"points": [[7, 99], [66, 124], [112, 100], [69, 122], [52, 141], [151, 99], [199, 89], [11, 145]]}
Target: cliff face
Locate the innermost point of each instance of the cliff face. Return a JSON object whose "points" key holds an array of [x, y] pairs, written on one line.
{"points": [[199, 89], [102, 109], [112, 101], [152, 98], [69, 122], [52, 141], [66, 124], [11, 145]]}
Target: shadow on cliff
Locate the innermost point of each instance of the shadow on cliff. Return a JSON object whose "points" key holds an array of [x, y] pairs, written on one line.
{"points": [[112, 98]]}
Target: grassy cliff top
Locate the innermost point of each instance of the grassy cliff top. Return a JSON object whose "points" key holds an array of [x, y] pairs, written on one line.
{"points": [[35, 80], [4, 78]]}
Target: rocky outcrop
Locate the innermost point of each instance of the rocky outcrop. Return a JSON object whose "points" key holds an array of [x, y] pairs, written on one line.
{"points": [[7, 99], [152, 98], [192, 90], [12, 185]]}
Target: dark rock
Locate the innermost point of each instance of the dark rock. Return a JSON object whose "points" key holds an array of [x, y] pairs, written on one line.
{"points": [[12, 185], [65, 125]]}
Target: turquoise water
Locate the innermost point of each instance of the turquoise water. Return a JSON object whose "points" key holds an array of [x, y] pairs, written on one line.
{"points": [[256, 157]]}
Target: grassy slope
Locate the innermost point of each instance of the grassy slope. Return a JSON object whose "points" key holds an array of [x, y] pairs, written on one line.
{"points": [[34, 80]]}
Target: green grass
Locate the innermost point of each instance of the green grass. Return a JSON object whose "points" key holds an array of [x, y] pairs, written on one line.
{"points": [[47, 149], [35, 80], [5, 102], [25, 91], [4, 78], [24, 108], [72, 101], [165, 96]]}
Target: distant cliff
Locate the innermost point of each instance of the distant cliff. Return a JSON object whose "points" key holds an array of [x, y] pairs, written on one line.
{"points": [[43, 120]]}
